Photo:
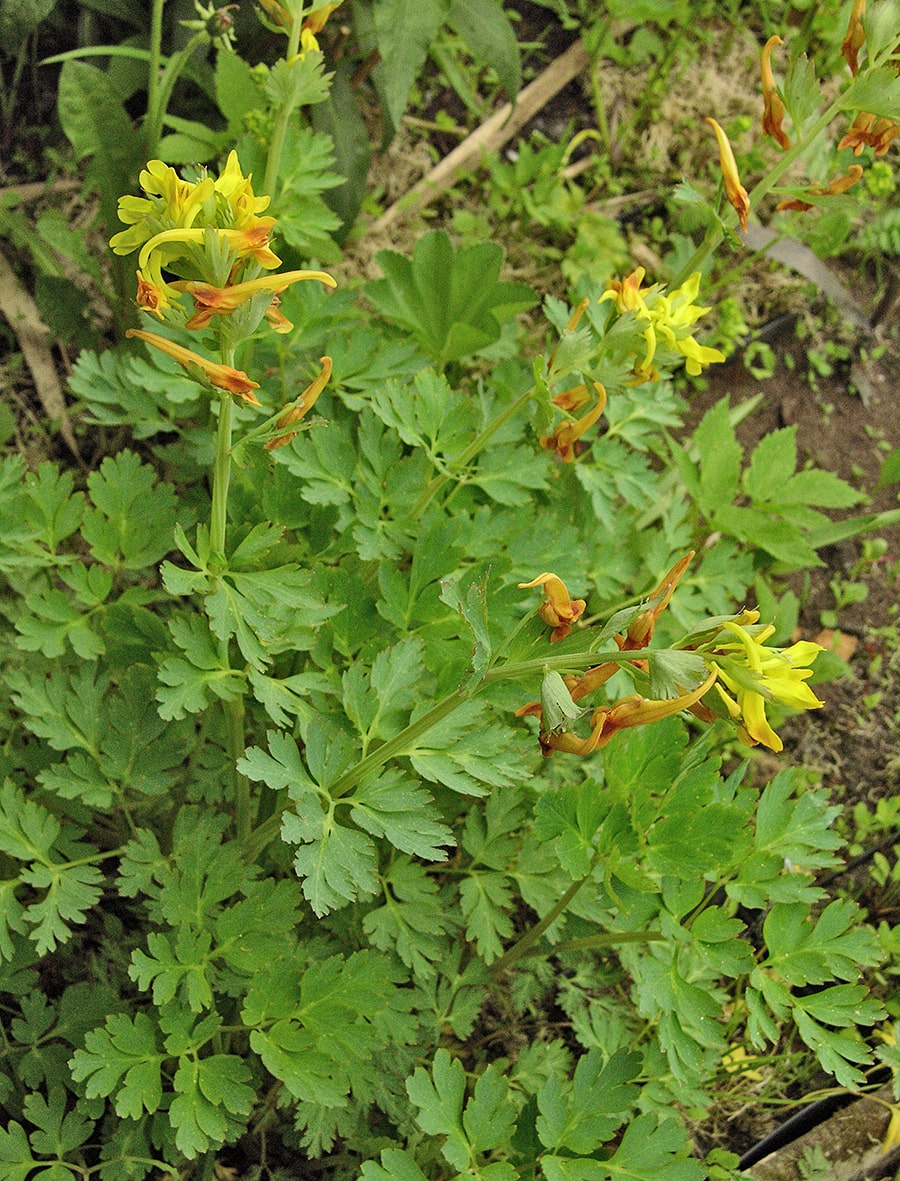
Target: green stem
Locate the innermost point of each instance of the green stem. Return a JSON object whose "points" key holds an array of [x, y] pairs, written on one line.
{"points": [[234, 726], [283, 115], [715, 233], [157, 113], [477, 444], [153, 75], [398, 745], [218, 522], [522, 946]]}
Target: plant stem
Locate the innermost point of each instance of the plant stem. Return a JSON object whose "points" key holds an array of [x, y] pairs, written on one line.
{"points": [[715, 233], [151, 133], [469, 453], [234, 725], [398, 745], [218, 522], [282, 117], [531, 936]]}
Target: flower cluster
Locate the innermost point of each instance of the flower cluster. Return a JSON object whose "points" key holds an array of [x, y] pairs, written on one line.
{"points": [[205, 238], [745, 673], [669, 320], [750, 674]]}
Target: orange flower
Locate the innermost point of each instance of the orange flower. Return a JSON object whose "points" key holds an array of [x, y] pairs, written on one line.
{"points": [[734, 190], [293, 413], [223, 377], [840, 184], [869, 132], [774, 107], [640, 629], [629, 711], [557, 610], [855, 36], [222, 301], [563, 439]]}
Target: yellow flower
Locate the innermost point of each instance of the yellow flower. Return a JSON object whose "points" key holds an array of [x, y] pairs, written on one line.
{"points": [[734, 190], [755, 674], [673, 315], [670, 318], [172, 222], [223, 377], [316, 20]]}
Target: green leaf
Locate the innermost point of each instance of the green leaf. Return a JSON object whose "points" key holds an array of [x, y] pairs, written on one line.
{"points": [[203, 673], [55, 619], [402, 58], [299, 82], [133, 519], [237, 93], [803, 952], [413, 922], [582, 1116], [793, 835], [57, 1132], [92, 115], [15, 1155], [377, 703], [396, 1165], [876, 91], [772, 464], [654, 1150], [212, 1098], [447, 298], [176, 965], [472, 606], [486, 29], [720, 459], [570, 817], [391, 806], [304, 219], [122, 1058], [439, 1098]]}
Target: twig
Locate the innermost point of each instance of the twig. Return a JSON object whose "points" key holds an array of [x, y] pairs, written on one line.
{"points": [[491, 135]]}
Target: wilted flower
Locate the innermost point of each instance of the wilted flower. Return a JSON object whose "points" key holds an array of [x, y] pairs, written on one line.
{"points": [[563, 439], [840, 184], [622, 715], [223, 377], [855, 36], [222, 301], [734, 190], [557, 610], [301, 406], [869, 132], [773, 112]]}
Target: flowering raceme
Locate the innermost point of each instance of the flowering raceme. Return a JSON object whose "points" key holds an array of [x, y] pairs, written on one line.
{"points": [[751, 674], [670, 318], [210, 234], [743, 671]]}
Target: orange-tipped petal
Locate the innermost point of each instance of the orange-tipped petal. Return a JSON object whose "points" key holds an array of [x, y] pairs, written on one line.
{"points": [[855, 36], [773, 112], [223, 377], [737, 195]]}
